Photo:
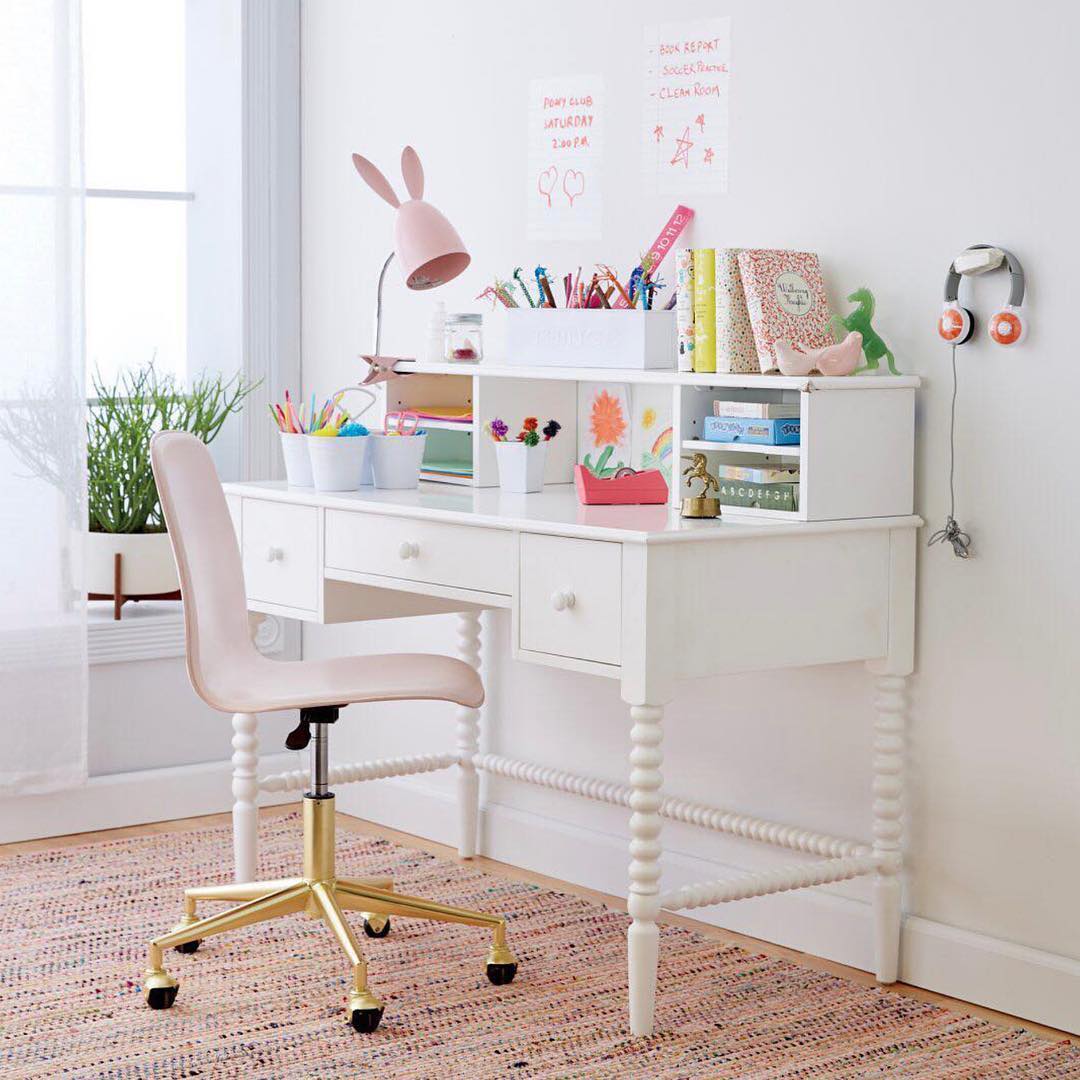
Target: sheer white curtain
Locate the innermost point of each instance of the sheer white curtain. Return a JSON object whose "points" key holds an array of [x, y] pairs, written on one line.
{"points": [[43, 674]]}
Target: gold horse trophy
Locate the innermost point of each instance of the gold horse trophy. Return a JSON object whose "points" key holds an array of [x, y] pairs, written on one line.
{"points": [[701, 505]]}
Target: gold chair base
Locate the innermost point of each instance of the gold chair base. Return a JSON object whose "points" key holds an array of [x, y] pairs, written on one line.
{"points": [[322, 895]]}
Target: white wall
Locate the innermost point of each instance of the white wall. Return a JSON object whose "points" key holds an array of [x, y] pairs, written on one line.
{"points": [[855, 132]]}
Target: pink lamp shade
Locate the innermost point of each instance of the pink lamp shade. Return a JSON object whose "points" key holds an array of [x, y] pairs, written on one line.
{"points": [[426, 245]]}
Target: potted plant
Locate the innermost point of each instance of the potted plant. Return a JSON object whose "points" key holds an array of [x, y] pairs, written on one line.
{"points": [[521, 459], [127, 553]]}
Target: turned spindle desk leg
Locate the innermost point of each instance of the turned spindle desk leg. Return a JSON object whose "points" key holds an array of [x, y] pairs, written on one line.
{"points": [[643, 901], [888, 824], [245, 788], [468, 741]]}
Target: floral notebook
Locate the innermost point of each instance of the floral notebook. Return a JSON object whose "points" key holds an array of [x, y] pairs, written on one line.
{"points": [[785, 297]]}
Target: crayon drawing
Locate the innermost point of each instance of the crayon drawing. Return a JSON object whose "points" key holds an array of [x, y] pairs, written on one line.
{"points": [[624, 426]]}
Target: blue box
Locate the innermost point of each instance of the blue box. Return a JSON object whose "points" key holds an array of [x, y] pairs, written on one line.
{"points": [[746, 429]]}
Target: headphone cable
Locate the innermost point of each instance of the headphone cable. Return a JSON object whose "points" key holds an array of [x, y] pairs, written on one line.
{"points": [[951, 531]]}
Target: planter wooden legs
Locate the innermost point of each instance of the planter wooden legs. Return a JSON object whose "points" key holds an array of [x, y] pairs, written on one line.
{"points": [[117, 595]]}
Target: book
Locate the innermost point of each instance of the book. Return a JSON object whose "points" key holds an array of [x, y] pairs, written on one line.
{"points": [[758, 474], [704, 309], [785, 298], [748, 430], [736, 352], [763, 496], [755, 410], [684, 307]]}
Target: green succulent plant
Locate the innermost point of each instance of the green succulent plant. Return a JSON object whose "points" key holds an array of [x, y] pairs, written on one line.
{"points": [[121, 418]]}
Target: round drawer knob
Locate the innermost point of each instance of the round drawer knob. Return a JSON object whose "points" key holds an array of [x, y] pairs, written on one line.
{"points": [[562, 599], [409, 549], [274, 554]]}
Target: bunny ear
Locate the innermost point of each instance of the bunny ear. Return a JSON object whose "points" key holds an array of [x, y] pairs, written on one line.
{"points": [[375, 180], [413, 172]]}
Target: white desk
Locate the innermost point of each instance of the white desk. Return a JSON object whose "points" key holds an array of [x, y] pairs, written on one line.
{"points": [[630, 593]]}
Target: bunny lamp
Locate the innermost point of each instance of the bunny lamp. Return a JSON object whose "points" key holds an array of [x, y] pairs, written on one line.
{"points": [[425, 244]]}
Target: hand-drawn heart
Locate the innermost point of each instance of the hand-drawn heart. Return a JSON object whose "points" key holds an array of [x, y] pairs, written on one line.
{"points": [[573, 184], [545, 182]]}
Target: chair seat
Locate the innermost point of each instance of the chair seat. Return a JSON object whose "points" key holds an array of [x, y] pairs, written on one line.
{"points": [[264, 685]]}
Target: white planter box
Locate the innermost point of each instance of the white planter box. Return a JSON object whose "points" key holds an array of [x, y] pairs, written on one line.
{"points": [[521, 467], [590, 338], [146, 567]]}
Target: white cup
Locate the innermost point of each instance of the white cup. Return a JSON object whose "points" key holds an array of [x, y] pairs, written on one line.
{"points": [[337, 462], [297, 463], [521, 467], [395, 459]]}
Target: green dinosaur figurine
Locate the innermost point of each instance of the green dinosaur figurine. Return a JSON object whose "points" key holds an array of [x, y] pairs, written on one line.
{"points": [[873, 347]]}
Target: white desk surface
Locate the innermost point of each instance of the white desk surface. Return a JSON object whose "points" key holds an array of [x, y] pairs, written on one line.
{"points": [[555, 510]]}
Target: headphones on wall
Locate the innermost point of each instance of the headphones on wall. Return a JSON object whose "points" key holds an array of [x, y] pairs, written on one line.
{"points": [[1007, 325]]}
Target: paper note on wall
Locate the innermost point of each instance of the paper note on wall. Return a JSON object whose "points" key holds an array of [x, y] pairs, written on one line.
{"points": [[685, 120], [565, 155]]}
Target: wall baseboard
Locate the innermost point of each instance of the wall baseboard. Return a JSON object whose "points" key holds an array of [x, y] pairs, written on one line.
{"points": [[132, 798], [987, 971]]}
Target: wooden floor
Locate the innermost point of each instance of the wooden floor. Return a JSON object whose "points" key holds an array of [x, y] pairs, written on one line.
{"points": [[617, 903]]}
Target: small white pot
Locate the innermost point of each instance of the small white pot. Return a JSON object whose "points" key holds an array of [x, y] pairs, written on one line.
{"points": [[337, 464], [146, 564], [521, 467], [297, 462], [396, 459]]}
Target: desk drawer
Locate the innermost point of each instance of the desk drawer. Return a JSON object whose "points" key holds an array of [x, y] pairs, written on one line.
{"points": [[459, 556], [571, 597], [281, 553]]}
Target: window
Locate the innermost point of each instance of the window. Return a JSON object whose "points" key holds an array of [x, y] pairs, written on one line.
{"points": [[137, 208], [163, 138]]}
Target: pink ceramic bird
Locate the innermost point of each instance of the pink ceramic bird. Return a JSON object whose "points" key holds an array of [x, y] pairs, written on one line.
{"points": [[839, 359]]}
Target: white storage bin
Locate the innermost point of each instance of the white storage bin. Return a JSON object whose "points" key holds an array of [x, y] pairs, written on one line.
{"points": [[297, 462], [337, 464], [590, 338], [395, 459]]}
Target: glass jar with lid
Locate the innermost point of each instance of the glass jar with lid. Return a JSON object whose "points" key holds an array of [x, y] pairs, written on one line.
{"points": [[462, 339]]}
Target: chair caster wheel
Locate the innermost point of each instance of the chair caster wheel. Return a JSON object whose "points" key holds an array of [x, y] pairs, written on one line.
{"points": [[377, 926], [159, 988], [501, 974], [161, 997], [190, 946], [365, 1020]]}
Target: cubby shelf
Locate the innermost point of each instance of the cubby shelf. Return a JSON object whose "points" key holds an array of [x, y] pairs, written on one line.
{"points": [[709, 445], [855, 459]]}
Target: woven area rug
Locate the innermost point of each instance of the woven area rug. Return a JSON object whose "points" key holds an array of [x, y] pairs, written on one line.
{"points": [[268, 1001]]}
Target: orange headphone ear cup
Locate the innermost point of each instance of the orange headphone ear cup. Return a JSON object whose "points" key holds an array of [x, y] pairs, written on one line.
{"points": [[1007, 326], [956, 324]]}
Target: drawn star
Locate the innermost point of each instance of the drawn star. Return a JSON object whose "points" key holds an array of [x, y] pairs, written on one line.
{"points": [[682, 153], [658, 131], [708, 155], [700, 121]]}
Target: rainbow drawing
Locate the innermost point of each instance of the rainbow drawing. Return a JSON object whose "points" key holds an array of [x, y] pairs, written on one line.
{"points": [[661, 449]]}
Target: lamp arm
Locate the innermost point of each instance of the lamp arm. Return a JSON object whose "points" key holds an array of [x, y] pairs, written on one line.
{"points": [[378, 303]]}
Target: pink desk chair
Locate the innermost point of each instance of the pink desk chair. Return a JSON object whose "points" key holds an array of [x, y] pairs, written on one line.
{"points": [[230, 674]]}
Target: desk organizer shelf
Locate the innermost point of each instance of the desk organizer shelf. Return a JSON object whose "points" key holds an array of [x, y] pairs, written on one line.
{"points": [[855, 458]]}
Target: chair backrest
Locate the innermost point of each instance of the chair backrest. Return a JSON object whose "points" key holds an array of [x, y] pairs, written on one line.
{"points": [[207, 560]]}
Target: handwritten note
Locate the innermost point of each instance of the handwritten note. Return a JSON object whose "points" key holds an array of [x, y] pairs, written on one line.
{"points": [[684, 134], [566, 134]]}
